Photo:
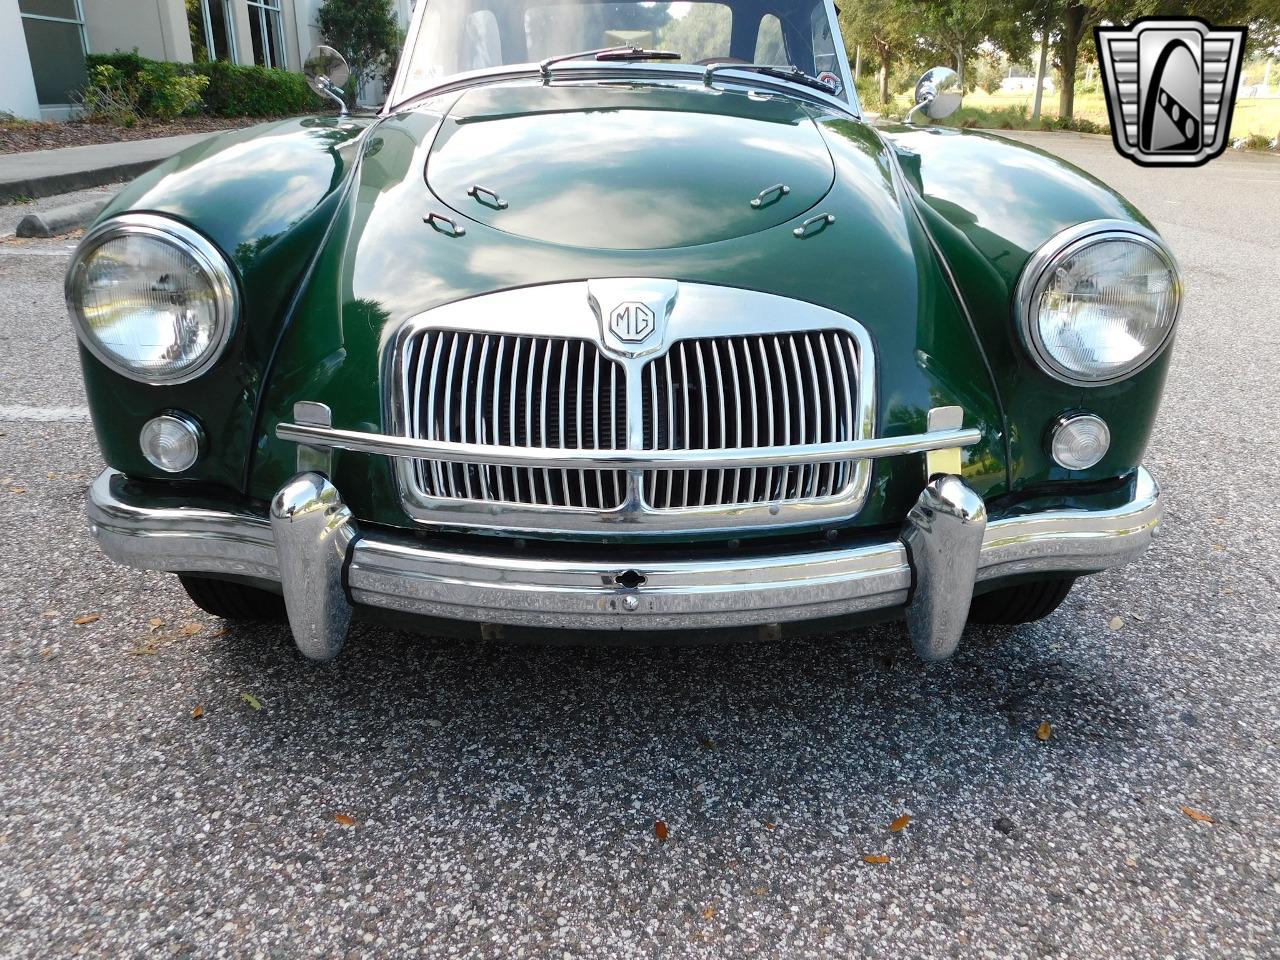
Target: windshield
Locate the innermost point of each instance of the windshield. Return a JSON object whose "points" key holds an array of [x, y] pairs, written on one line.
{"points": [[455, 36]]}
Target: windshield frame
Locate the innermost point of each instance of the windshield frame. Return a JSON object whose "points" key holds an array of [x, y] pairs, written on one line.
{"points": [[399, 96]]}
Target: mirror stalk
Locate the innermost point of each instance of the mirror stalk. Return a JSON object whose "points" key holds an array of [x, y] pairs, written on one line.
{"points": [[326, 87]]}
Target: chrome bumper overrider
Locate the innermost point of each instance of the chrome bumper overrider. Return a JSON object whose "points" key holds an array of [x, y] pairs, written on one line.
{"points": [[325, 563]]}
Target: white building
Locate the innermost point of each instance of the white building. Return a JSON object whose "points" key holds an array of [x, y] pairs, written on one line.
{"points": [[43, 42]]}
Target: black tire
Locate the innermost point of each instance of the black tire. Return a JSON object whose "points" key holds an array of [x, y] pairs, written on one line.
{"points": [[233, 601], [1021, 603]]}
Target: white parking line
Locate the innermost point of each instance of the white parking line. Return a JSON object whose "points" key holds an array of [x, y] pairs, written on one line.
{"points": [[15, 250], [44, 414]]}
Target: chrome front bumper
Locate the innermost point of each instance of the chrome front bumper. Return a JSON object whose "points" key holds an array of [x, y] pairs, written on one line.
{"points": [[325, 564]]}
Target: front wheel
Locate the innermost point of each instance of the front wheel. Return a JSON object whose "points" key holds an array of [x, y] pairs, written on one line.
{"points": [[1021, 603], [233, 601]]}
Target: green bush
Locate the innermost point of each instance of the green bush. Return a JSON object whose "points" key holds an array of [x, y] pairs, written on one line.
{"points": [[236, 91], [169, 95], [167, 90], [109, 97]]}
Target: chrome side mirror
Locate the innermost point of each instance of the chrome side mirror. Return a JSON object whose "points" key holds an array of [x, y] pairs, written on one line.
{"points": [[938, 94], [327, 73]]}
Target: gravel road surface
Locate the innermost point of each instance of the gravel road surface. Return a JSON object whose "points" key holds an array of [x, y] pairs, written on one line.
{"points": [[501, 801]]}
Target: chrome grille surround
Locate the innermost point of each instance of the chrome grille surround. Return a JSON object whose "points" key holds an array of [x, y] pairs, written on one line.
{"points": [[550, 500]]}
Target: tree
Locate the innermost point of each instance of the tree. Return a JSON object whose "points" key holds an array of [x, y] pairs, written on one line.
{"points": [[363, 31], [958, 26], [888, 27], [701, 34], [1045, 17]]}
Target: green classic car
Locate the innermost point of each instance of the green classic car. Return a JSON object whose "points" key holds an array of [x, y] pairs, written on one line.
{"points": [[663, 335]]}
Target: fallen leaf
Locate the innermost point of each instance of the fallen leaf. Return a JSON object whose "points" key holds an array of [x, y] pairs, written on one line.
{"points": [[51, 614], [661, 831], [345, 820], [1197, 816], [191, 629], [876, 858], [87, 618], [1115, 623], [1217, 547], [708, 913], [1044, 731], [769, 826], [156, 622], [17, 489], [897, 825], [709, 744], [220, 632], [46, 653], [197, 712], [760, 891], [251, 700], [144, 650], [1130, 862]]}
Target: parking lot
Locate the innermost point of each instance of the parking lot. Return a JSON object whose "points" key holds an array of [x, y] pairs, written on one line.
{"points": [[435, 797]]}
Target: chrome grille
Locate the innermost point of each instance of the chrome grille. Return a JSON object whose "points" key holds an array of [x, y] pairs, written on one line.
{"points": [[518, 391], [760, 390], [540, 370]]}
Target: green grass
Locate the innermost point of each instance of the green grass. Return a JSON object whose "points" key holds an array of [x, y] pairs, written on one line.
{"points": [[1254, 119]]}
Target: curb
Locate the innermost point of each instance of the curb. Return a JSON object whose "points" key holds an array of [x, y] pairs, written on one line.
{"points": [[60, 220], [56, 183]]}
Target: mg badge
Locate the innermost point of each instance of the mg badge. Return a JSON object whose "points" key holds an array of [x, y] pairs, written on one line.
{"points": [[634, 313], [1171, 87], [632, 322]]}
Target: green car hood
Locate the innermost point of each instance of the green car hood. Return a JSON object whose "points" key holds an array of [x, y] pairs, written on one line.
{"points": [[676, 206], [607, 169]]}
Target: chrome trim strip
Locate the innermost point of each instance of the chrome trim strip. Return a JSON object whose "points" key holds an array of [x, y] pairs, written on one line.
{"points": [[405, 573], [605, 459], [1039, 269]]}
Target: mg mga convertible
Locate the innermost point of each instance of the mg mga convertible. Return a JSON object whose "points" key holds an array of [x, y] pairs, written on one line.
{"points": [[622, 319]]}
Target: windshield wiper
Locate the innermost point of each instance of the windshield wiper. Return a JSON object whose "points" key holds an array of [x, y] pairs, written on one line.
{"points": [[794, 74], [628, 52]]}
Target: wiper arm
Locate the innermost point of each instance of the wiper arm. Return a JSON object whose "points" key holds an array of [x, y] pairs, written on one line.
{"points": [[628, 52], [794, 74]]}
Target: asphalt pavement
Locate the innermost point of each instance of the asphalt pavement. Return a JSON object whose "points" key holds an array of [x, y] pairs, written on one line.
{"points": [[431, 797]]}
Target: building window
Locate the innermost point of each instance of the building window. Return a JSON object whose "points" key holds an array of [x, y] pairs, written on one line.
{"points": [[264, 29], [212, 35], [54, 32]]}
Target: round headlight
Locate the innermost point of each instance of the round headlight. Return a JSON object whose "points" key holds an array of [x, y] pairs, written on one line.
{"points": [[1098, 302], [151, 298]]}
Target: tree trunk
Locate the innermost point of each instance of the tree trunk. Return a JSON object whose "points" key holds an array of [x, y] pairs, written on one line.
{"points": [[857, 63], [959, 55], [886, 53], [1041, 68], [1073, 27]]}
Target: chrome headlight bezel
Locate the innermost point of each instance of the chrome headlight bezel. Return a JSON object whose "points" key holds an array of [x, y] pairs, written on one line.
{"points": [[1038, 272], [207, 257]]}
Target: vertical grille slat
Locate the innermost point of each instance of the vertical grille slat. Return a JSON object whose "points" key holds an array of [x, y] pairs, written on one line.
{"points": [[763, 390], [496, 415]]}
